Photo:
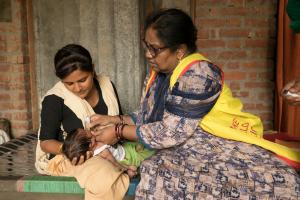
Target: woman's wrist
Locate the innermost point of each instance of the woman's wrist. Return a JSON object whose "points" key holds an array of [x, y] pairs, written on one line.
{"points": [[129, 133], [119, 127]]}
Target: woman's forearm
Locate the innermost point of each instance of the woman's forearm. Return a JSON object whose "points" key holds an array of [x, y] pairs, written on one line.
{"points": [[129, 133], [51, 146]]}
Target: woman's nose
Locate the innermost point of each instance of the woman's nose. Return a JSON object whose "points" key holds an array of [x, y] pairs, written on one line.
{"points": [[148, 54], [76, 87]]}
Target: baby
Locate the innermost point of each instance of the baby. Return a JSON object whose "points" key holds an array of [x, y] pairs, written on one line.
{"points": [[127, 156]]}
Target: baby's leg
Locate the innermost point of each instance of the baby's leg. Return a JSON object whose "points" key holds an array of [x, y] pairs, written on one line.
{"points": [[130, 169]]}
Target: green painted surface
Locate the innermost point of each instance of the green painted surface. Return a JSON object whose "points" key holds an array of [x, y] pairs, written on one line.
{"points": [[51, 184], [60, 184]]}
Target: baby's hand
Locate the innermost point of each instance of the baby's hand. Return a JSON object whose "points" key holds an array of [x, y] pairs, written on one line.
{"points": [[131, 171], [82, 158]]}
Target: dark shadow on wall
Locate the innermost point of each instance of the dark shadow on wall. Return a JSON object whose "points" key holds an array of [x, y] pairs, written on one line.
{"points": [[5, 11]]}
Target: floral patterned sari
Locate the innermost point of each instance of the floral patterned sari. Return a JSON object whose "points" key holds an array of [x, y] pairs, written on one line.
{"points": [[193, 164]]}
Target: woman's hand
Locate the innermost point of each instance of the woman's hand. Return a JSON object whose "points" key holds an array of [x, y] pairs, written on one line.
{"points": [[102, 121], [291, 92], [105, 135]]}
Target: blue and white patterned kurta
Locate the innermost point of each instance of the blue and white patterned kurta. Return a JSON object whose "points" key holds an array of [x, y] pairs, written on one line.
{"points": [[192, 164]]}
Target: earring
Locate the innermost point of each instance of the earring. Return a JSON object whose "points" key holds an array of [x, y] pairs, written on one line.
{"points": [[180, 55]]}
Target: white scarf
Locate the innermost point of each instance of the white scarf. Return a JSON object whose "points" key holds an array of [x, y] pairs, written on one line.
{"points": [[81, 108]]}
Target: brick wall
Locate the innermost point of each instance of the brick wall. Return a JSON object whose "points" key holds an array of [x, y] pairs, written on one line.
{"points": [[14, 70], [240, 36]]}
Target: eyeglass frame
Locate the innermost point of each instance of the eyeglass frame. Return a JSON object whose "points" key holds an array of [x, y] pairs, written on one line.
{"points": [[152, 50]]}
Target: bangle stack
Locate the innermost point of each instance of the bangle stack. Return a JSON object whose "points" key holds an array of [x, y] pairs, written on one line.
{"points": [[119, 130]]}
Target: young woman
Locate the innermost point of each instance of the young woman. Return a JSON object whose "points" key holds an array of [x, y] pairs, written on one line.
{"points": [[79, 94]]}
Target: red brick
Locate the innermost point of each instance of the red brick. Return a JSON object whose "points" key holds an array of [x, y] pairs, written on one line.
{"points": [[13, 38], [249, 106], [257, 43], [17, 68], [208, 2], [4, 105], [244, 94], [233, 11], [23, 125], [3, 46], [22, 59], [2, 59], [208, 53], [261, 106], [4, 68], [220, 64], [269, 75], [23, 95], [9, 28], [235, 75], [262, 53], [204, 12], [268, 116], [265, 32], [240, 94], [4, 78], [236, 32], [15, 86], [218, 22], [234, 85], [6, 115], [261, 64], [19, 77], [233, 44], [232, 65], [264, 96], [13, 47], [262, 11], [253, 84], [232, 55], [258, 22], [23, 116], [3, 37], [19, 104], [4, 97], [211, 43], [203, 34]]}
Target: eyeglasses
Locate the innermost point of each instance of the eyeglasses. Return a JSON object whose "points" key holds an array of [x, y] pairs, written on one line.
{"points": [[152, 50]]}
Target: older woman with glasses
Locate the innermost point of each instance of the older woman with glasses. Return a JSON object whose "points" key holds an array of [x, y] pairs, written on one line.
{"points": [[189, 163]]}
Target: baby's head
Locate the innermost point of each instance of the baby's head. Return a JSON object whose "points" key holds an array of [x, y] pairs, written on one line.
{"points": [[77, 143]]}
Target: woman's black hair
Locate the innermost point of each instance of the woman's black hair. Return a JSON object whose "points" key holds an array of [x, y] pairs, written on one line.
{"points": [[70, 58], [174, 27]]}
